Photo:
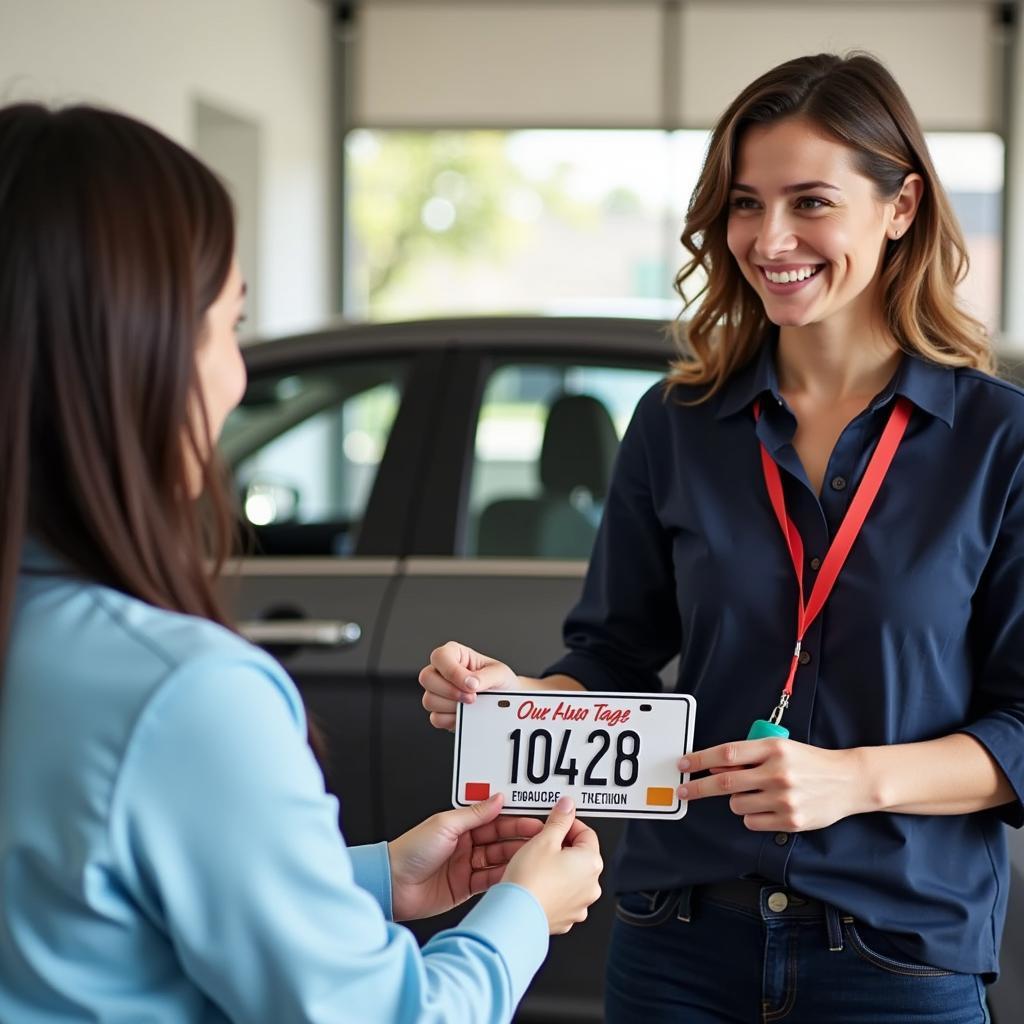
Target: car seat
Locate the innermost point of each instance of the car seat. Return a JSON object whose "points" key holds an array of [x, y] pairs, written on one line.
{"points": [[576, 459]]}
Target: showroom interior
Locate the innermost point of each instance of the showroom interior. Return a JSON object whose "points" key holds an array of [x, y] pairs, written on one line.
{"points": [[459, 226]]}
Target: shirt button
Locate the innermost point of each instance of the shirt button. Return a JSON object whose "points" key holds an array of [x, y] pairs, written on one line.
{"points": [[781, 838], [778, 901], [805, 657], [815, 564], [838, 483]]}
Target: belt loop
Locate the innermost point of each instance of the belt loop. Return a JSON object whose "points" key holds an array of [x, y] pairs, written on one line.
{"points": [[685, 902], [835, 929]]}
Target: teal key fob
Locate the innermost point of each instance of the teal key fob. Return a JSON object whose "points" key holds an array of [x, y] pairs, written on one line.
{"points": [[765, 730]]}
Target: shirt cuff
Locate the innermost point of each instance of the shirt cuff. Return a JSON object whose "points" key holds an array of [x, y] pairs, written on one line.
{"points": [[1000, 734], [371, 869], [524, 946]]}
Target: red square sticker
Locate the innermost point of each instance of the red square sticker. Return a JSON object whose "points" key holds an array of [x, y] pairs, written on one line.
{"points": [[478, 790]]}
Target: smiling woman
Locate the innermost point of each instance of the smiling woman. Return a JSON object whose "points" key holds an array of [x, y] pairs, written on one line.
{"points": [[783, 236], [831, 442], [809, 205]]}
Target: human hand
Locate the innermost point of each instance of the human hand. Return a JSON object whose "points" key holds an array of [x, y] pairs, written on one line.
{"points": [[560, 867], [455, 674], [452, 856], [779, 785]]}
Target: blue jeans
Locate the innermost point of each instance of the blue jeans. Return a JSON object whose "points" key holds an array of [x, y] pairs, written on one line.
{"points": [[693, 957]]}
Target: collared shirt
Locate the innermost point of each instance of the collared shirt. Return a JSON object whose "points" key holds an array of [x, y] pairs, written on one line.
{"points": [[168, 852], [923, 634]]}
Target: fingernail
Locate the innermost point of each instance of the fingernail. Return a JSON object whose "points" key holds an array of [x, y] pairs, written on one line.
{"points": [[682, 792], [684, 764], [564, 805], [473, 683]]}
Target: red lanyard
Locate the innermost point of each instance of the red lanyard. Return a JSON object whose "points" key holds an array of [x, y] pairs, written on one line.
{"points": [[844, 539]]}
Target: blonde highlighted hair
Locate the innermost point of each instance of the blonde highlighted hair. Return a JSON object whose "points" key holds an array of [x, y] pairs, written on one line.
{"points": [[856, 101]]}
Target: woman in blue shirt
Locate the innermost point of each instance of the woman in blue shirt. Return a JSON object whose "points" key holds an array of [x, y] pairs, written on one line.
{"points": [[167, 849], [822, 514]]}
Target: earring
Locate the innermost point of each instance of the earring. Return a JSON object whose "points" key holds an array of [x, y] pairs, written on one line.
{"points": [[896, 234]]}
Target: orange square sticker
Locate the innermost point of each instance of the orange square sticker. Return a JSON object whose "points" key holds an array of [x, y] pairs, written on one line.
{"points": [[660, 796]]}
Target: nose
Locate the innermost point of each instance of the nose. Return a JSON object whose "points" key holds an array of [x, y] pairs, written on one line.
{"points": [[775, 235]]}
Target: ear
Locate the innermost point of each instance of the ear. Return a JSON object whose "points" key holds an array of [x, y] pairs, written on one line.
{"points": [[905, 205]]}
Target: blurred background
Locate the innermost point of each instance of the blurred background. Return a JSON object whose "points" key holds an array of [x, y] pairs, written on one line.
{"points": [[395, 159]]}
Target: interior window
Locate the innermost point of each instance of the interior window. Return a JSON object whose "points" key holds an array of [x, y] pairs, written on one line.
{"points": [[450, 221], [305, 448], [546, 439]]}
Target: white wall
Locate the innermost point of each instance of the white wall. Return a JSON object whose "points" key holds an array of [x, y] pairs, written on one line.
{"points": [[268, 61]]}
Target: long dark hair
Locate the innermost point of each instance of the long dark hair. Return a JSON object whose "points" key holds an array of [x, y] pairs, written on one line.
{"points": [[114, 242], [855, 101]]}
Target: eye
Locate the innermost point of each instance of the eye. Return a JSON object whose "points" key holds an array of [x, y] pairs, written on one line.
{"points": [[743, 203], [811, 203]]}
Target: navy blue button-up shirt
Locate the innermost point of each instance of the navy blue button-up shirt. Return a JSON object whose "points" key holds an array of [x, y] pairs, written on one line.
{"points": [[923, 634]]}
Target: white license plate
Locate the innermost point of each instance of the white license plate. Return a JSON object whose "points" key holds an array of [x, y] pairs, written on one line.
{"points": [[615, 754]]}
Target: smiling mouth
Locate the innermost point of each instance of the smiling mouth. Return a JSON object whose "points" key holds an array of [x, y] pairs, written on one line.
{"points": [[791, 276]]}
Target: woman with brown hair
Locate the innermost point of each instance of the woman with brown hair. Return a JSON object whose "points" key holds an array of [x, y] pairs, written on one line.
{"points": [[167, 849], [822, 514]]}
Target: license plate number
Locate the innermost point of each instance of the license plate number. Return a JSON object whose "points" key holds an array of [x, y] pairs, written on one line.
{"points": [[614, 754]]}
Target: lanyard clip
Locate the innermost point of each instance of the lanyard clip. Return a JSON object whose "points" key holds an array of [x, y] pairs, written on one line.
{"points": [[776, 716]]}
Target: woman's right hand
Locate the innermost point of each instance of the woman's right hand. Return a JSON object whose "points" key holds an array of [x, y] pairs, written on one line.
{"points": [[455, 674], [560, 867]]}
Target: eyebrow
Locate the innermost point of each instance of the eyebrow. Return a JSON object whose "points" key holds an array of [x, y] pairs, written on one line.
{"points": [[803, 186]]}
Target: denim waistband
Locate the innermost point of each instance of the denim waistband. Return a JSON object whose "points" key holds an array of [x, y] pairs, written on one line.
{"points": [[770, 901], [758, 896]]}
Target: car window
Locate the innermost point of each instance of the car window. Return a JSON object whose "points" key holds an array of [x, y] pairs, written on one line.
{"points": [[304, 448], [546, 437]]}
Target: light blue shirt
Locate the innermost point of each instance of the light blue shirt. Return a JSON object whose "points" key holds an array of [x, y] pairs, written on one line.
{"points": [[168, 853]]}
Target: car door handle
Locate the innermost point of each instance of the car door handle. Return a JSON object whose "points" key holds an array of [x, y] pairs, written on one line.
{"points": [[301, 632]]}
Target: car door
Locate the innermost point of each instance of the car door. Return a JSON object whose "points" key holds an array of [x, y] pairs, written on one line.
{"points": [[320, 451], [510, 600]]}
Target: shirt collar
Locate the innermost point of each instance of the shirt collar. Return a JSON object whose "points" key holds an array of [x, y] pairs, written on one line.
{"points": [[750, 382], [929, 386], [932, 388]]}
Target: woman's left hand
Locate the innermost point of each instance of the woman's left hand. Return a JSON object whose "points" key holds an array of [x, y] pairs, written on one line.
{"points": [[779, 785], [452, 856]]}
